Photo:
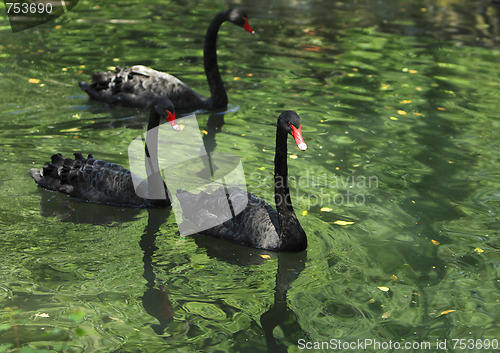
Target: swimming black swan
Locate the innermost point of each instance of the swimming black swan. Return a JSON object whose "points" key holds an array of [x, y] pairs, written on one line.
{"points": [[258, 225], [98, 181], [139, 85]]}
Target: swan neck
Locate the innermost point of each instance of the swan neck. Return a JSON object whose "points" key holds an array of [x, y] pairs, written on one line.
{"points": [[154, 179], [218, 96], [292, 236], [281, 189]]}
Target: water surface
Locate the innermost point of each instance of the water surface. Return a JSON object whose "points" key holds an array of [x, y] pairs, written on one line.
{"points": [[398, 190]]}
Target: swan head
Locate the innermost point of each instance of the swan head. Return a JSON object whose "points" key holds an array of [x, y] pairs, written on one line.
{"points": [[239, 18], [290, 121], [165, 108]]}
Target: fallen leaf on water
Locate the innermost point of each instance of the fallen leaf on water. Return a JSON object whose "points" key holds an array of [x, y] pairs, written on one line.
{"points": [[116, 319], [33, 80], [343, 223], [412, 71], [478, 250], [394, 118], [265, 256], [384, 289], [236, 78], [303, 213], [386, 314], [446, 312], [294, 156], [371, 301], [441, 108], [401, 112], [435, 242], [70, 130], [326, 209], [394, 277], [41, 315], [406, 101], [310, 47], [205, 132]]}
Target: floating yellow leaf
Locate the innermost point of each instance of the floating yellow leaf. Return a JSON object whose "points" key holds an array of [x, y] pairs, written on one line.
{"points": [[262, 168], [70, 130], [384, 289], [355, 69], [394, 118], [205, 132], [265, 256], [401, 112], [386, 314], [116, 319], [236, 78], [394, 277], [440, 108], [249, 75], [326, 209], [116, 59], [384, 86], [412, 71], [294, 156], [303, 213], [418, 114], [64, 69], [243, 135], [58, 27], [446, 312], [435, 242], [41, 315], [406, 101], [412, 201], [478, 250], [343, 223], [33, 80], [371, 301]]}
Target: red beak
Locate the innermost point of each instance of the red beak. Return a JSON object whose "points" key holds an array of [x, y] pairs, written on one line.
{"points": [[247, 26], [297, 135], [172, 121]]}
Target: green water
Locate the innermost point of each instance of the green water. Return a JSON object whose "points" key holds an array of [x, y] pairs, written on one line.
{"points": [[399, 108]]}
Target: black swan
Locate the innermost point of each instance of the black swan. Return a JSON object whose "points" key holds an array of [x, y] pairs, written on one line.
{"points": [[258, 225], [98, 181], [138, 86]]}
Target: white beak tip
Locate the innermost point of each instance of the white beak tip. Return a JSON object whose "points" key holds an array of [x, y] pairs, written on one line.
{"points": [[302, 146]]}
